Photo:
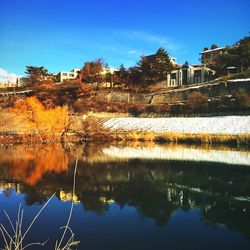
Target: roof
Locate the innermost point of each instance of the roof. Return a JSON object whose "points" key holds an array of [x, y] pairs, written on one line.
{"points": [[211, 50], [152, 57]]}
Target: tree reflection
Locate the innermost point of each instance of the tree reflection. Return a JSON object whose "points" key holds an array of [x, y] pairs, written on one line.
{"points": [[155, 188], [30, 164]]}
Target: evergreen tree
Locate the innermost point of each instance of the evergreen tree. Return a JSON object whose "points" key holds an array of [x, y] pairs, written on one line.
{"points": [[109, 76], [163, 65], [213, 46], [146, 69], [91, 72], [123, 75], [237, 56], [36, 74], [156, 67], [135, 77]]}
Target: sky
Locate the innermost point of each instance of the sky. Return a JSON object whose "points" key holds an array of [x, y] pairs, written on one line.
{"points": [[62, 34]]}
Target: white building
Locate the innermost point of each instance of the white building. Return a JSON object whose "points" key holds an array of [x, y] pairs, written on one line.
{"points": [[65, 75], [108, 70], [189, 74]]}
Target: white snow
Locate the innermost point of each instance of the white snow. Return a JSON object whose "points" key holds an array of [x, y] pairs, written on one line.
{"points": [[230, 125], [180, 153]]}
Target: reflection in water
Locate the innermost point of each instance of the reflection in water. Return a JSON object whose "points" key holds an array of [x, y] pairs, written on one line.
{"points": [[180, 153], [156, 188], [30, 164]]}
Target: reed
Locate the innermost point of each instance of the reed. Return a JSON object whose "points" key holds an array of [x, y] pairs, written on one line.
{"points": [[242, 139]]}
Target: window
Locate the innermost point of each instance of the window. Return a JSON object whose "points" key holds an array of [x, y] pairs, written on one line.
{"points": [[197, 73], [64, 74], [71, 75], [173, 76]]}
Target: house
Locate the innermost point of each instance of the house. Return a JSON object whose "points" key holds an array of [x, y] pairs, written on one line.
{"points": [[152, 58], [105, 71], [108, 70], [8, 84], [189, 74], [208, 56], [22, 81], [64, 75]]}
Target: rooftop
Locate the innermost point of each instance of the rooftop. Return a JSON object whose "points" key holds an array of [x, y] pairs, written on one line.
{"points": [[151, 57], [211, 50]]}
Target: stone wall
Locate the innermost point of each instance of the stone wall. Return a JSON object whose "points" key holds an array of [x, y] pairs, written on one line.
{"points": [[217, 89], [211, 90]]}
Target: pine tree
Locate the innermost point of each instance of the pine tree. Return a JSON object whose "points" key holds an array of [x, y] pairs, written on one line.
{"points": [[237, 56], [36, 74], [163, 65], [156, 67]]}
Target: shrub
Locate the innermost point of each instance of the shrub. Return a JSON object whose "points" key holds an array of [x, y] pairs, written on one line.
{"points": [[48, 122], [136, 109]]}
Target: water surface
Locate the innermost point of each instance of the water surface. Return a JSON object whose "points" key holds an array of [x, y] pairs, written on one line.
{"points": [[131, 197]]}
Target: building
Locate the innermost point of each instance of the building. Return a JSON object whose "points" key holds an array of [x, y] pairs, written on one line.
{"points": [[22, 81], [152, 58], [64, 75], [105, 71], [8, 84], [208, 56], [189, 74], [108, 70]]}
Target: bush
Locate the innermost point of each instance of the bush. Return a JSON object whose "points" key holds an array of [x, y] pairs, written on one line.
{"points": [[136, 109], [49, 122]]}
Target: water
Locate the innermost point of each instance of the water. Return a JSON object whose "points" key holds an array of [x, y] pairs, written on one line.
{"points": [[130, 197]]}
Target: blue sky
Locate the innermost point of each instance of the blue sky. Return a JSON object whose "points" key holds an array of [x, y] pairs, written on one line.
{"points": [[62, 34]]}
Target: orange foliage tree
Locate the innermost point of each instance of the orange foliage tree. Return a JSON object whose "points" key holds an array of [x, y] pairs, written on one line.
{"points": [[50, 123]]}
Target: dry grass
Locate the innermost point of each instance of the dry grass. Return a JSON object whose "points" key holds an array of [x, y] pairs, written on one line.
{"points": [[243, 139], [11, 121]]}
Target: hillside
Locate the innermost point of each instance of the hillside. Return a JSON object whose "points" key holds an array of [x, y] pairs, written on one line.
{"points": [[209, 99]]}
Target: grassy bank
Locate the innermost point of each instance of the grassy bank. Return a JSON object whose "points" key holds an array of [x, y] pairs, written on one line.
{"points": [[96, 127], [243, 139], [132, 136]]}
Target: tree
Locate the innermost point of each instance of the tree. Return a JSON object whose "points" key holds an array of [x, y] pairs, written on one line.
{"points": [[109, 78], [92, 72], [237, 56], [120, 76], [163, 65], [36, 74], [49, 123], [134, 77], [242, 50], [213, 46], [146, 67], [156, 67]]}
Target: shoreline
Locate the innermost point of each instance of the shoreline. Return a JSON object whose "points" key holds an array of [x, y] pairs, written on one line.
{"points": [[233, 130], [132, 136]]}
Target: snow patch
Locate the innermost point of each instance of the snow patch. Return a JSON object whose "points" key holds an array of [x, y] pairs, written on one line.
{"points": [[229, 125]]}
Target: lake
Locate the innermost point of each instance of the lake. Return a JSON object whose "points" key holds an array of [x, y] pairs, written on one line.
{"points": [[135, 196]]}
